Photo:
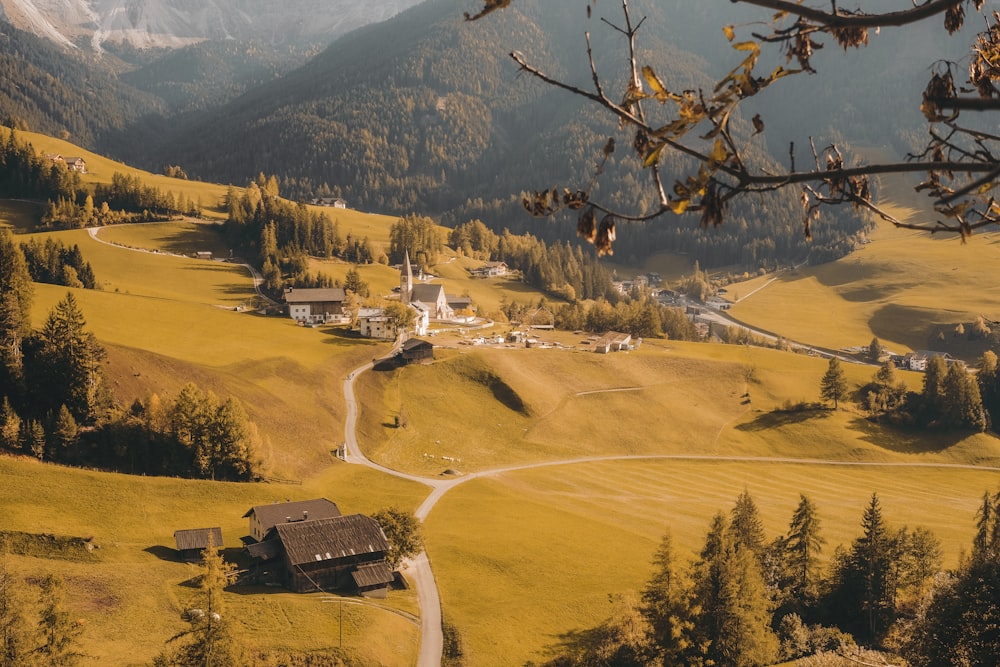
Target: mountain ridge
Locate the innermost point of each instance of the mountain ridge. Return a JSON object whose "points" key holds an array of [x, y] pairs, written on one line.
{"points": [[172, 24]]}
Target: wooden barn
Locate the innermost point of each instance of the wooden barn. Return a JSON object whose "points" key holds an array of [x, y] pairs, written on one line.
{"points": [[345, 553], [415, 350], [190, 543], [264, 517]]}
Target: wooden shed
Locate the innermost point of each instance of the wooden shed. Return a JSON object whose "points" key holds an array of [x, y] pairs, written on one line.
{"points": [[191, 542], [416, 350]]}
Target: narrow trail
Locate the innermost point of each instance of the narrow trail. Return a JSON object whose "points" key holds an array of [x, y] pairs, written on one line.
{"points": [[428, 598]]}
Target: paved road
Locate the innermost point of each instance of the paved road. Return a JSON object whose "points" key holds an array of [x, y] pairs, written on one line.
{"points": [[429, 601]]}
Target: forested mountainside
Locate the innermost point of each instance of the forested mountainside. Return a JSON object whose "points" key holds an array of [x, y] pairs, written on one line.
{"points": [[427, 113], [43, 88]]}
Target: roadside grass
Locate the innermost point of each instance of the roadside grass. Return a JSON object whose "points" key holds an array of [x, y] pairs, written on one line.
{"points": [[523, 558], [130, 597]]}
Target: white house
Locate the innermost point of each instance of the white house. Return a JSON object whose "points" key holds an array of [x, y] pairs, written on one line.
{"points": [[374, 323]]}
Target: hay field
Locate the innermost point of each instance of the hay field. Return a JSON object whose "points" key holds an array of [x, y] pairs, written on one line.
{"points": [[526, 557]]}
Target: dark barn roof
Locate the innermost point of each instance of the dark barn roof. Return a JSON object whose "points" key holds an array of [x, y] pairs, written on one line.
{"points": [[372, 575], [417, 344], [315, 295], [266, 550], [270, 515], [329, 539], [198, 538]]}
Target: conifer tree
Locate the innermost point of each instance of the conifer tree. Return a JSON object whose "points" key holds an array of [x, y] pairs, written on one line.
{"points": [[746, 527], [803, 545], [18, 639], [666, 606], [209, 641], [58, 632], [833, 386]]}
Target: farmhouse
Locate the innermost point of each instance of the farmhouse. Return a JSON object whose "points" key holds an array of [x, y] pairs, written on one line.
{"points": [[344, 553], [917, 361], [613, 341], [316, 306], [491, 270], [76, 164], [264, 517], [192, 542], [332, 202]]}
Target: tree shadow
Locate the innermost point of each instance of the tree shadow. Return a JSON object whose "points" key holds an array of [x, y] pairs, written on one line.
{"points": [[779, 418], [574, 645], [907, 439]]}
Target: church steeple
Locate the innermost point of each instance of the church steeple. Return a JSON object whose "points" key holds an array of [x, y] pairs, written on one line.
{"points": [[406, 279]]}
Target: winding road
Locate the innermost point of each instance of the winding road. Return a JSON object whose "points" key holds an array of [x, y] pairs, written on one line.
{"points": [[428, 599]]}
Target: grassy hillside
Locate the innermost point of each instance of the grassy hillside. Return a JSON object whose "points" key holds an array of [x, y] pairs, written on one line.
{"points": [[131, 593], [498, 407], [905, 287]]}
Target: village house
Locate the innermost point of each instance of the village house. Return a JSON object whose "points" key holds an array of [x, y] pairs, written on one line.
{"points": [[490, 270], [192, 542], [77, 164], [374, 323], [917, 361], [264, 517], [332, 202], [613, 341], [317, 305], [343, 553]]}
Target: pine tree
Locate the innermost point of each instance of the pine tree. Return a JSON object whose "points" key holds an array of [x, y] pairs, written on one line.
{"points": [[746, 528], [833, 386], [69, 360], [733, 626], [15, 308], [666, 606], [10, 427], [209, 641], [933, 391]]}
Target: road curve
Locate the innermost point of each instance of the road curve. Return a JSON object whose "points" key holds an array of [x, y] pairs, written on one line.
{"points": [[428, 599]]}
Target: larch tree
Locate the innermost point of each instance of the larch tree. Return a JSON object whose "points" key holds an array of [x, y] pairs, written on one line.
{"points": [[803, 545], [960, 161]]}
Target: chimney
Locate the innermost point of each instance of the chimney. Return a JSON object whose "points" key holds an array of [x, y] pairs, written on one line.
{"points": [[288, 519], [305, 515]]}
